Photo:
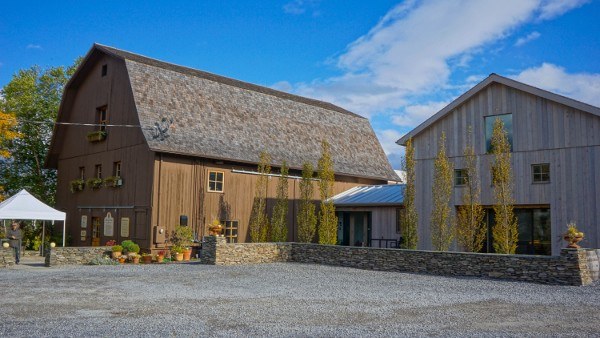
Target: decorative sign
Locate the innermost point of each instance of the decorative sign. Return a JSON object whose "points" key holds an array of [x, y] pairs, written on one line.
{"points": [[84, 221], [124, 226], [83, 235], [109, 225]]}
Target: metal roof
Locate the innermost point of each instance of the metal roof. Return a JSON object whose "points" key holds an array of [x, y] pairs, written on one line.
{"points": [[371, 195]]}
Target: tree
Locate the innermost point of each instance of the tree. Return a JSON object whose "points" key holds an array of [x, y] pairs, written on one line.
{"points": [[410, 219], [471, 228], [259, 222], [442, 230], [8, 122], [279, 226], [32, 96], [327, 219], [307, 220], [505, 230]]}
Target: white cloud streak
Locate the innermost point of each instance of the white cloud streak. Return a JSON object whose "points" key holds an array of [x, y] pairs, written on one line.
{"points": [[34, 46], [549, 9], [528, 38]]}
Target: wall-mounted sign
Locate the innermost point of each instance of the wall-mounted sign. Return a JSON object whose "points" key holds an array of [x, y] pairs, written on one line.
{"points": [[109, 225], [124, 226], [84, 221], [83, 235]]}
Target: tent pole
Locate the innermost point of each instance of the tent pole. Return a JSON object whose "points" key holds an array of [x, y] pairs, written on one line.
{"points": [[64, 228], [43, 237]]}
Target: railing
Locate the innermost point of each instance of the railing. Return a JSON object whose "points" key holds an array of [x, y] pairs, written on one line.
{"points": [[384, 243]]}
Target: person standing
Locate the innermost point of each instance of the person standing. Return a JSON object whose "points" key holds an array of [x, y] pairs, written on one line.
{"points": [[15, 235]]}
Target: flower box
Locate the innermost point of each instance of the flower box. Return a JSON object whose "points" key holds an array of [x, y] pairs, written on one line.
{"points": [[95, 183], [76, 185], [113, 181], [96, 136]]}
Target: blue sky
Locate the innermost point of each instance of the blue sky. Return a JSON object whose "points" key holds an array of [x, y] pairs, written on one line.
{"points": [[395, 62]]}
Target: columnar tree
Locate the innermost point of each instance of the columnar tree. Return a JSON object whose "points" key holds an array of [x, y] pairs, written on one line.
{"points": [[32, 97], [259, 222], [505, 230], [471, 228], [441, 224], [410, 219], [327, 219], [307, 220], [279, 226]]}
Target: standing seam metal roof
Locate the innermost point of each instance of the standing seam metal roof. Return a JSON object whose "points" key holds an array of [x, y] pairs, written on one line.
{"points": [[371, 195]]}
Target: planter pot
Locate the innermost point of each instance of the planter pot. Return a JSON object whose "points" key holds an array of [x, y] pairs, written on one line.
{"points": [[116, 254], [160, 258], [178, 257], [146, 259], [135, 260], [187, 255], [573, 241], [122, 260], [215, 230]]}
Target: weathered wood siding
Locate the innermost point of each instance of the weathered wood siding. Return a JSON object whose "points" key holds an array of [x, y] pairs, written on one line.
{"points": [[126, 145], [180, 188], [543, 132], [383, 221]]}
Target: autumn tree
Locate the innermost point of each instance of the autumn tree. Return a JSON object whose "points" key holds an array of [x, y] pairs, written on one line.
{"points": [[32, 96], [470, 226], [441, 223], [279, 226], [505, 230], [410, 219], [8, 124], [307, 220], [259, 222], [327, 219]]}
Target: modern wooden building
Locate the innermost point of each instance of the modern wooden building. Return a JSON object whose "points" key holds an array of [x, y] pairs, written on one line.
{"points": [[555, 159], [169, 145], [369, 215]]}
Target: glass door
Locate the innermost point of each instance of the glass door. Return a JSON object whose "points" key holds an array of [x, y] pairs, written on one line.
{"points": [[95, 231]]}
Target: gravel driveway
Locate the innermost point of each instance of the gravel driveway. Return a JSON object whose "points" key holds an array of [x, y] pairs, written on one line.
{"points": [[287, 299]]}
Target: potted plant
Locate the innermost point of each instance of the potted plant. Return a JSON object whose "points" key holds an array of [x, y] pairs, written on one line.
{"points": [[160, 256], [573, 236], [177, 253], [147, 258], [96, 136], [111, 243], [94, 183], [116, 251], [130, 247], [122, 259], [134, 258], [182, 237], [215, 228], [76, 185], [113, 181]]}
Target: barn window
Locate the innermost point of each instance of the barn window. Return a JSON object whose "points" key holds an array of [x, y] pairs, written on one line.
{"points": [[460, 177], [104, 70], [98, 170], [215, 181], [82, 173], [489, 129], [231, 231], [540, 172], [117, 169], [102, 118]]}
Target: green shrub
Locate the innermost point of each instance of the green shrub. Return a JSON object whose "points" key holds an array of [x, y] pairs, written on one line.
{"points": [[130, 246], [117, 248]]}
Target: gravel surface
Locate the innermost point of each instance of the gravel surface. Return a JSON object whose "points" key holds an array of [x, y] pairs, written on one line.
{"points": [[286, 299]]}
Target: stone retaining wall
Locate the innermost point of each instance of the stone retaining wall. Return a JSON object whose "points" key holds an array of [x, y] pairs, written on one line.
{"points": [[217, 251], [568, 269], [75, 255], [7, 257]]}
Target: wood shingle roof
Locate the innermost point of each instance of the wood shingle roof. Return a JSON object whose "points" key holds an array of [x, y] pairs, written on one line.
{"points": [[222, 118]]}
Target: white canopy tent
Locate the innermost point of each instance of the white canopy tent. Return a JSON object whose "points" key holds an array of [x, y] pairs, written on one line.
{"points": [[24, 206]]}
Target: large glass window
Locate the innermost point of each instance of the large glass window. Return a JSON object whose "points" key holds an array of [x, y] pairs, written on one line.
{"points": [[215, 181], [489, 128], [540, 172], [534, 231]]}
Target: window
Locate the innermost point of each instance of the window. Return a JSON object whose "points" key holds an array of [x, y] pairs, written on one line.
{"points": [[102, 118], [104, 70], [215, 181], [82, 173], [489, 128], [231, 231], [540, 172], [98, 170], [460, 177], [117, 169]]}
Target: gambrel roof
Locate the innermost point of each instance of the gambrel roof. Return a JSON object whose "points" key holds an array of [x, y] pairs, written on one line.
{"points": [[507, 82], [226, 119]]}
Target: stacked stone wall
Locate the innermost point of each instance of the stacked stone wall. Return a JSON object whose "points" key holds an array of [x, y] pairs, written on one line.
{"points": [[75, 255], [217, 251]]}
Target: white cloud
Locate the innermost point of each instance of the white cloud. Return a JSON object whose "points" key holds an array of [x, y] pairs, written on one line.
{"points": [[528, 38], [33, 46], [283, 86], [550, 9], [388, 138], [298, 7], [580, 86], [416, 114]]}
